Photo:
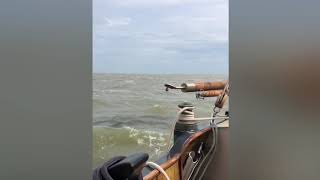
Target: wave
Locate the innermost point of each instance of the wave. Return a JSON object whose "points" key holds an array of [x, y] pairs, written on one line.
{"points": [[99, 103], [109, 142]]}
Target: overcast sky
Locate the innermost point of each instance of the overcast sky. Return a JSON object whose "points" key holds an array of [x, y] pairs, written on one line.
{"points": [[160, 36]]}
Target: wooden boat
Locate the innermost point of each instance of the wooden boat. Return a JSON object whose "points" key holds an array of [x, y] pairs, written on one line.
{"points": [[176, 158], [197, 153]]}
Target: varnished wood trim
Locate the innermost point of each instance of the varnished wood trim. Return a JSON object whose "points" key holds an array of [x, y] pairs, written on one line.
{"points": [[175, 159], [165, 166]]}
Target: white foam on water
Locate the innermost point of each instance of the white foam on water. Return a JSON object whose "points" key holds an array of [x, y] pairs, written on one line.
{"points": [[147, 137]]}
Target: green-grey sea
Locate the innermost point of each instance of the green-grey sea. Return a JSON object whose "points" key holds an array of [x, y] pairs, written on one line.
{"points": [[133, 112]]}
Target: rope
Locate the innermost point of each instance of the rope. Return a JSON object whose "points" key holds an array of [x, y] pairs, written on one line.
{"points": [[214, 147], [159, 168], [173, 123], [211, 118], [210, 155], [220, 100]]}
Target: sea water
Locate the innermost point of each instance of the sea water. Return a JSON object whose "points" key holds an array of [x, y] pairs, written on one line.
{"points": [[133, 112]]}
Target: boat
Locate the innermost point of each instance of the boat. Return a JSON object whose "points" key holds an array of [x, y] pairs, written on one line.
{"points": [[196, 152]]}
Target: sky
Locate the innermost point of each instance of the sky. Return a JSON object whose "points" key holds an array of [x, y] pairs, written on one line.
{"points": [[160, 36]]}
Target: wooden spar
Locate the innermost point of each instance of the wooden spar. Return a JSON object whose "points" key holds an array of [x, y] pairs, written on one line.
{"points": [[220, 104], [211, 93], [202, 86]]}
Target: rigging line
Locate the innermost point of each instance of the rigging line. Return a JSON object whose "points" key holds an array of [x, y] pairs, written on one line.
{"points": [[211, 150]]}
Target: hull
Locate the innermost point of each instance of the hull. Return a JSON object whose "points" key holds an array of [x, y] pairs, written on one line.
{"points": [[212, 166]]}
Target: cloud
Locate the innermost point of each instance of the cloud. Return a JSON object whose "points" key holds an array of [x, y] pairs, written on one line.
{"points": [[179, 19], [149, 3], [144, 35], [113, 22]]}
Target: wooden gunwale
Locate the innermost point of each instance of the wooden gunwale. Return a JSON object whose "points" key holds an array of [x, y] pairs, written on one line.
{"points": [[175, 159]]}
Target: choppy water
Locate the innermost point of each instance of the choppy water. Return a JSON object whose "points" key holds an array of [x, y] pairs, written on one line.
{"points": [[133, 113]]}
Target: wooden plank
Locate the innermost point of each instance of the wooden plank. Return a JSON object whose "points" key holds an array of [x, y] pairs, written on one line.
{"points": [[166, 166], [173, 173]]}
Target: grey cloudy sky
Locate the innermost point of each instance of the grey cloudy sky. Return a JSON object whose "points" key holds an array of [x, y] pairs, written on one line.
{"points": [[160, 36]]}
